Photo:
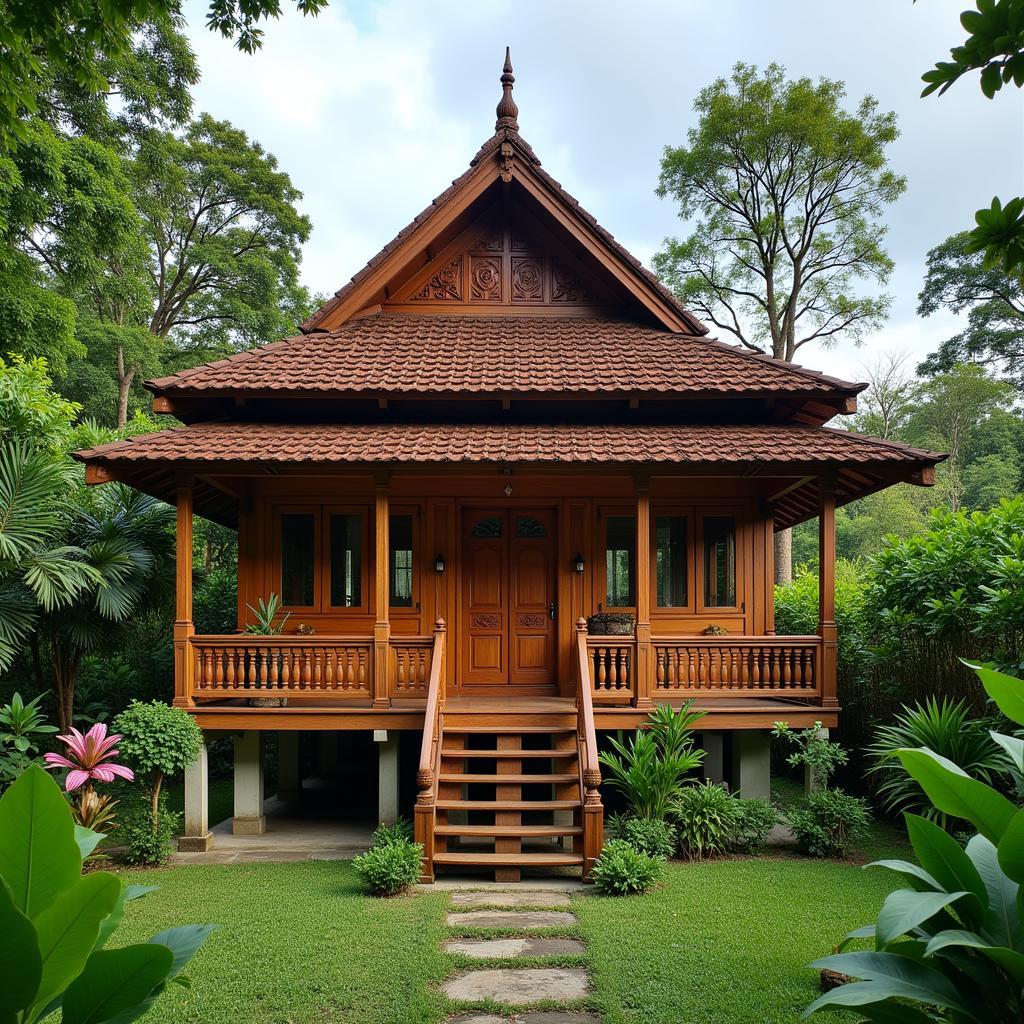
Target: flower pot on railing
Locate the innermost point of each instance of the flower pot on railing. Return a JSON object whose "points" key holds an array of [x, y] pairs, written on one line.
{"points": [[611, 624]]}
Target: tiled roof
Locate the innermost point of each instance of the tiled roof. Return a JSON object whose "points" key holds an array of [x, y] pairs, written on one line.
{"points": [[564, 443], [424, 353]]}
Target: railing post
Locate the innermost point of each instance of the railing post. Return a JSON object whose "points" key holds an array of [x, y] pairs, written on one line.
{"points": [[827, 589], [643, 668], [382, 597], [425, 811], [593, 810], [184, 630]]}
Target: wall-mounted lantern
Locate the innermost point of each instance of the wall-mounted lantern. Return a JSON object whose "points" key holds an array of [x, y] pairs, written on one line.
{"points": [[579, 564], [439, 563]]}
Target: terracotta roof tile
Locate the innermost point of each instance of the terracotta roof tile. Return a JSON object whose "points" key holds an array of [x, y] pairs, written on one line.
{"points": [[423, 354], [564, 443]]}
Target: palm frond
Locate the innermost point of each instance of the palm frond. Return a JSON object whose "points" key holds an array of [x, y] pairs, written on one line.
{"points": [[32, 487]]}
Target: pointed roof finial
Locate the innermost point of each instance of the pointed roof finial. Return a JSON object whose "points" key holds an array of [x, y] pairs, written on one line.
{"points": [[507, 109]]}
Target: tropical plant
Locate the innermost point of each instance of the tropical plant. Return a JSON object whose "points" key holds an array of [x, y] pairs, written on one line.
{"points": [[389, 869], [264, 615], [951, 946], [946, 728], [623, 870], [653, 836], [648, 769], [827, 822], [146, 841], [55, 923], [400, 831], [20, 724], [755, 820], [706, 819]]}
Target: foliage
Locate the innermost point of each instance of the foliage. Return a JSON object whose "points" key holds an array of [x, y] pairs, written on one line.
{"points": [[56, 923], [147, 841], [400, 831], [953, 943], [389, 869], [653, 836], [754, 822], [215, 600], [827, 822], [944, 727], [789, 187], [648, 769], [623, 870], [264, 614], [706, 818], [820, 756], [20, 725]]}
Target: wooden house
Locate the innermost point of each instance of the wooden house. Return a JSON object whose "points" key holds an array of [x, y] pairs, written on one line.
{"points": [[501, 427]]}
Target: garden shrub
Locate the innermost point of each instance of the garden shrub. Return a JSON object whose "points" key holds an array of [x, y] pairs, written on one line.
{"points": [[401, 831], [145, 842], [754, 822], [826, 823], [653, 836], [622, 870], [705, 817], [389, 869]]}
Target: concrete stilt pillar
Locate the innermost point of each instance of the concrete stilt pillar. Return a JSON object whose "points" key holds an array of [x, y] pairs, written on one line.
{"points": [[327, 754], [197, 838], [249, 819], [812, 782], [714, 756], [751, 763], [289, 768], [387, 775]]}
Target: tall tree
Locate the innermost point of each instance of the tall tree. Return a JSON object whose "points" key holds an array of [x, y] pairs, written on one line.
{"points": [[961, 280], [787, 188], [885, 408]]}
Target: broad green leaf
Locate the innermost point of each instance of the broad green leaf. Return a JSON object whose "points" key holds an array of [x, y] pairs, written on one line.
{"points": [[1002, 923], [39, 857], [68, 928], [917, 876], [1006, 691], [1011, 849], [945, 860], [87, 840], [183, 943], [1010, 960], [19, 954], [894, 1013], [904, 910], [954, 792], [874, 994], [109, 925], [115, 982], [1014, 747]]}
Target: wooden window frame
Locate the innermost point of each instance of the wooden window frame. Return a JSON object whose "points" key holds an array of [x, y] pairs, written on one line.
{"points": [[413, 511], [276, 582], [690, 513], [366, 569], [601, 557], [740, 526]]}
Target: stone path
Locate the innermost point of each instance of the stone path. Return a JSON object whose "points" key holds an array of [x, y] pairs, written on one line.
{"points": [[523, 912]]}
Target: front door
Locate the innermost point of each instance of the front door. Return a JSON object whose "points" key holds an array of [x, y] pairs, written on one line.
{"points": [[508, 596]]}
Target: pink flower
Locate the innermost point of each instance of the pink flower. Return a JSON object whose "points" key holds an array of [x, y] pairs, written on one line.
{"points": [[89, 757]]}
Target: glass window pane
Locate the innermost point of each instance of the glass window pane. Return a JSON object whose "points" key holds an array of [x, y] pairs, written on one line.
{"points": [[620, 561], [346, 560], [298, 540], [670, 560], [487, 527], [400, 541], [720, 561]]}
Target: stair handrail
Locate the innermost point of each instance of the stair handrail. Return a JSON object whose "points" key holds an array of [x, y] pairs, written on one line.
{"points": [[430, 753], [590, 771]]}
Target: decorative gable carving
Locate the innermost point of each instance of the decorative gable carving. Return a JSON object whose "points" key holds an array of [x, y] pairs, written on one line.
{"points": [[445, 285]]}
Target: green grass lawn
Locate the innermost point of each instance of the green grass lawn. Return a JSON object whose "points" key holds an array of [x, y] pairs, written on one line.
{"points": [[723, 941]]}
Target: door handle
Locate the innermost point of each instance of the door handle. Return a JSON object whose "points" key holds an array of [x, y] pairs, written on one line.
{"points": [[552, 610]]}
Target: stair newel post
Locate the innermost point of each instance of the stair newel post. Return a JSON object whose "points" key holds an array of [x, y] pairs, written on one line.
{"points": [[425, 813], [590, 771]]}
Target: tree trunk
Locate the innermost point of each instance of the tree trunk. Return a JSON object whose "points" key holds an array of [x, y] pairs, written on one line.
{"points": [[124, 387], [65, 666], [784, 556]]}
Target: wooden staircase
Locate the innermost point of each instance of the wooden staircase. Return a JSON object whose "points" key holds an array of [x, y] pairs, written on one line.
{"points": [[507, 783]]}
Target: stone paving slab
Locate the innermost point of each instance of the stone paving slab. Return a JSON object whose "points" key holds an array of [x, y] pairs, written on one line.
{"points": [[511, 899], [518, 986], [527, 920], [500, 948]]}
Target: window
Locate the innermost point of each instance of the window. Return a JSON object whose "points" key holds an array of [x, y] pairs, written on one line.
{"points": [[527, 526], [490, 526], [298, 543], [400, 542], [720, 561], [670, 538], [620, 561], [346, 533]]}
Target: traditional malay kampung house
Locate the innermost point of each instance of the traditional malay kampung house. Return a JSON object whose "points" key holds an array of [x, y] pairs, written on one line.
{"points": [[513, 496]]}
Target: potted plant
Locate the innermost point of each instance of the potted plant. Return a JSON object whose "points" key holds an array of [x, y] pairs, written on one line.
{"points": [[264, 615]]}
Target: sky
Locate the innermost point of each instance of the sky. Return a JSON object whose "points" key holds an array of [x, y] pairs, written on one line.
{"points": [[374, 106]]}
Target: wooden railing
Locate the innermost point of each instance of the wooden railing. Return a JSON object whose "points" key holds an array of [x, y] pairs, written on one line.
{"points": [[590, 770], [425, 816], [705, 666], [411, 661]]}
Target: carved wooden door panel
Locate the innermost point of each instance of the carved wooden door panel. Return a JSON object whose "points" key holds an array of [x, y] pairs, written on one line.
{"points": [[508, 590], [532, 537], [485, 596]]}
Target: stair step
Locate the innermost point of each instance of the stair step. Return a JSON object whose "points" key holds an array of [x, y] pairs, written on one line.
{"points": [[517, 754], [509, 831], [502, 730], [508, 805], [511, 859], [507, 780]]}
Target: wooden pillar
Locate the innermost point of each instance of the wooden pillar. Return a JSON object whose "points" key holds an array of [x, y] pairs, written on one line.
{"points": [[827, 589], [184, 659], [644, 660], [382, 597], [769, 571]]}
